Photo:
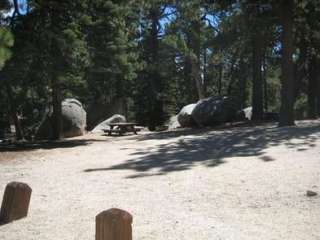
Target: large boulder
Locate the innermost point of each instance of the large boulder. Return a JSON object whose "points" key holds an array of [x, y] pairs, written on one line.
{"points": [[214, 110], [105, 124], [73, 121], [74, 118], [184, 116]]}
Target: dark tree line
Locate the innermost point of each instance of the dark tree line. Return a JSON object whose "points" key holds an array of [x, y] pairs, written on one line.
{"points": [[156, 56]]}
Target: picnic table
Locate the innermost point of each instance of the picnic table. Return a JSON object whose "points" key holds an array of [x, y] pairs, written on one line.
{"points": [[121, 128]]}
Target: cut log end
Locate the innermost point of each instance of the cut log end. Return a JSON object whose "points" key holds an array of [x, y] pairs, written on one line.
{"points": [[114, 224], [16, 200]]}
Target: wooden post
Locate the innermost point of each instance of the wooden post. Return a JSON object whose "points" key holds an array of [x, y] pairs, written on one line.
{"points": [[114, 224], [15, 202]]}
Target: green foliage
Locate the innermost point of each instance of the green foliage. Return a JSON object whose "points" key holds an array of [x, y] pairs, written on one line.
{"points": [[155, 56], [112, 50], [6, 42]]}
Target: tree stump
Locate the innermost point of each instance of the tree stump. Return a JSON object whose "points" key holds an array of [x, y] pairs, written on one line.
{"points": [[114, 224], [15, 202]]}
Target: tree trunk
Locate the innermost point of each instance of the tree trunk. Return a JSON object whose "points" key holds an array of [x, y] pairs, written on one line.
{"points": [[205, 74], [220, 79], [195, 45], [318, 86], [243, 83], [156, 114], [13, 110], [232, 75], [196, 75], [191, 91], [265, 82], [57, 110], [12, 105], [287, 65], [301, 72], [312, 90], [257, 81]]}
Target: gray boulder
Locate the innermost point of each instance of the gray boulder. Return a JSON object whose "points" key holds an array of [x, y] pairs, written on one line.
{"points": [[184, 116], [73, 121], [213, 111], [74, 118], [105, 124]]}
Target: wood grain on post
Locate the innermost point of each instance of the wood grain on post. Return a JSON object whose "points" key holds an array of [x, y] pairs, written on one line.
{"points": [[114, 224], [15, 202]]}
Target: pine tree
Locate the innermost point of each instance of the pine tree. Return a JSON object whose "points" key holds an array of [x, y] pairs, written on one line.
{"points": [[112, 29], [57, 31]]}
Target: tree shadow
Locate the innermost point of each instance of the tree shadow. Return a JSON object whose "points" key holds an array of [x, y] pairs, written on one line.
{"points": [[211, 149], [30, 146], [194, 131]]}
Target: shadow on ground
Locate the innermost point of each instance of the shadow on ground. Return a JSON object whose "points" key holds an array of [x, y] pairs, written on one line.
{"points": [[29, 146], [3, 223], [190, 147]]}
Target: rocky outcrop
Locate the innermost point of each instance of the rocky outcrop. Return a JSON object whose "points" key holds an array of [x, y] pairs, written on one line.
{"points": [[214, 110], [74, 118], [184, 116], [73, 121]]}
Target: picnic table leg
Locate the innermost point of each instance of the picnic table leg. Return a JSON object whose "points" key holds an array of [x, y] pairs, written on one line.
{"points": [[121, 130], [134, 130], [110, 131]]}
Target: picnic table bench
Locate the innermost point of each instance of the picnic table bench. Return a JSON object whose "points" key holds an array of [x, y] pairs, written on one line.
{"points": [[122, 128]]}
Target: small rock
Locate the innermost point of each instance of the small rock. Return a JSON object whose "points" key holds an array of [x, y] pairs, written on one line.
{"points": [[311, 193]]}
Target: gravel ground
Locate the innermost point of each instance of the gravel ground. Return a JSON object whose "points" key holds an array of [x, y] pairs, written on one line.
{"points": [[236, 183]]}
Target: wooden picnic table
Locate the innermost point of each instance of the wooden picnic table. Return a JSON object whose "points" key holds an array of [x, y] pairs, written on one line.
{"points": [[121, 128]]}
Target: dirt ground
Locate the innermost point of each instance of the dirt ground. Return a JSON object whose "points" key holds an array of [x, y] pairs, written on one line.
{"points": [[237, 183]]}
